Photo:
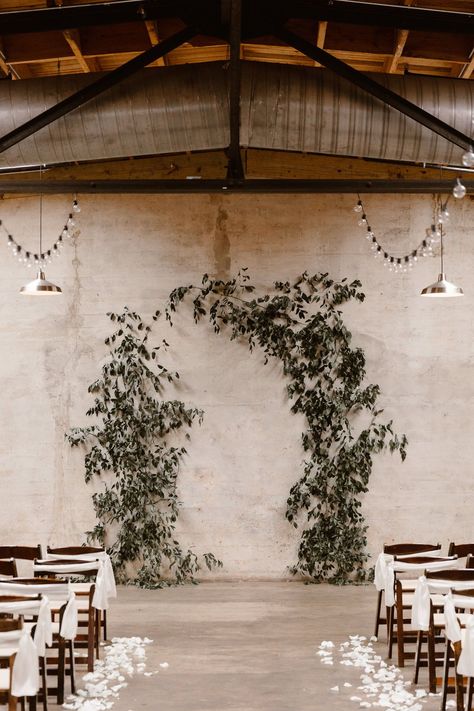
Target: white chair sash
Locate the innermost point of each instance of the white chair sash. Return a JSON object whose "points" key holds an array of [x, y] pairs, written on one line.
{"points": [[420, 612], [43, 635], [25, 674], [104, 582], [108, 581], [383, 559], [56, 592], [401, 566], [453, 628], [466, 659]]}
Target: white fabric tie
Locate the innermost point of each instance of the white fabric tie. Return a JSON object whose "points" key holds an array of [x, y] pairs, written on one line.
{"points": [[105, 579], [466, 660], [69, 621], [453, 628], [380, 575], [401, 566], [25, 674], [420, 611]]}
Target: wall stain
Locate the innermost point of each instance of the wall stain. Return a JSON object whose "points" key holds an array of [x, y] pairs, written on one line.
{"points": [[221, 244]]}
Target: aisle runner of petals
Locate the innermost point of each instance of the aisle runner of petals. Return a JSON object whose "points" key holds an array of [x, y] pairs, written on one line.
{"points": [[122, 659], [382, 686]]}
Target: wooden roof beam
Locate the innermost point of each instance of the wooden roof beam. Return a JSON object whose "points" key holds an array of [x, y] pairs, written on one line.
{"points": [[392, 62], [73, 39]]}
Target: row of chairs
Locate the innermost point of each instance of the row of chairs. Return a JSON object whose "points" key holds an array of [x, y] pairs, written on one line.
{"points": [[50, 579], [417, 579]]}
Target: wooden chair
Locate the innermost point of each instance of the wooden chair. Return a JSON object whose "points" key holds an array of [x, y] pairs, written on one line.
{"points": [[89, 617], [55, 666], [68, 551], [463, 599], [8, 568], [449, 580], [6, 668], [9, 604], [400, 549], [398, 633], [462, 550]]}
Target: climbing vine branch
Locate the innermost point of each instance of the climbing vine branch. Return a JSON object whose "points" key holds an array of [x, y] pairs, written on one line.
{"points": [[300, 323]]}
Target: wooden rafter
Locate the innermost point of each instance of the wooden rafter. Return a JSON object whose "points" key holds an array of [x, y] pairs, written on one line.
{"points": [[392, 62], [73, 39]]}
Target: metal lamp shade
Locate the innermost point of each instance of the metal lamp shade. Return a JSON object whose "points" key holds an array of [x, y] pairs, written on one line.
{"points": [[442, 288], [40, 287]]}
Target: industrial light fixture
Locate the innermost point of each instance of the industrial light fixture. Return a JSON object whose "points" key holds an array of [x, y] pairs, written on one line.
{"points": [[40, 286], [442, 287]]}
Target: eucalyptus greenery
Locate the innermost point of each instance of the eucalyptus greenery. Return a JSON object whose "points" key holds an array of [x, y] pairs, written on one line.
{"points": [[138, 507], [301, 324]]}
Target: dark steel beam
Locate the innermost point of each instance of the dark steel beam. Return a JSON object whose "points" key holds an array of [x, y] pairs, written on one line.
{"points": [[235, 168], [375, 89], [97, 87], [143, 187]]}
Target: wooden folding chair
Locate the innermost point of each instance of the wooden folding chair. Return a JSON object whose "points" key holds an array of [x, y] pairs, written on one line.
{"points": [[6, 668], [399, 549], [67, 552], [89, 617], [9, 606], [462, 550], [398, 633], [20, 552], [448, 580], [54, 666]]}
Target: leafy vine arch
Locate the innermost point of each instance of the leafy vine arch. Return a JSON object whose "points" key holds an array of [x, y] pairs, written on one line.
{"points": [[299, 323]]}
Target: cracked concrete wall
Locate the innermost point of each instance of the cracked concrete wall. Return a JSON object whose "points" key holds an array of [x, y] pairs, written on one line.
{"points": [[242, 461]]}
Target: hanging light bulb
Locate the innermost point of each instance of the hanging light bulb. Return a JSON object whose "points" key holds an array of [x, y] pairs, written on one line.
{"points": [[75, 206], [444, 216], [442, 287], [468, 158], [459, 190], [40, 286], [356, 208], [363, 221]]}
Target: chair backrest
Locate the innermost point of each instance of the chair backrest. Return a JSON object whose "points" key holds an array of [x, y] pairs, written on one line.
{"points": [[410, 548], [462, 550], [8, 568], [54, 588], [452, 574], [20, 552], [420, 561], [55, 567], [74, 550], [10, 625]]}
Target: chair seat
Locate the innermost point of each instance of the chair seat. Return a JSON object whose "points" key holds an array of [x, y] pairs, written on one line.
{"points": [[408, 583], [6, 652], [4, 679]]}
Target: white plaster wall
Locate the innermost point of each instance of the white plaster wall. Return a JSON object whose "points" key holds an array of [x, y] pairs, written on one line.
{"points": [[133, 250]]}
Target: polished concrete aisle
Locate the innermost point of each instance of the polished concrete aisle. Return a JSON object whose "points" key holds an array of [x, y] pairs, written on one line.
{"points": [[243, 646]]}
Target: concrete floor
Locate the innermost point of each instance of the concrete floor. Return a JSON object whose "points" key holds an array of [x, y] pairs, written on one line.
{"points": [[243, 646]]}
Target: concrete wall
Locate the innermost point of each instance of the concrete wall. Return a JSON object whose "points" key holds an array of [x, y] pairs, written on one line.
{"points": [[133, 250]]}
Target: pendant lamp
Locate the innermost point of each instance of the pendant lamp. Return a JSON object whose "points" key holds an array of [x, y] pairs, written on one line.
{"points": [[40, 286], [442, 287]]}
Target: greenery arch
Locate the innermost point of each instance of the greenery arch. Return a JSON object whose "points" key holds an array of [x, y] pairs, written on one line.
{"points": [[299, 323]]}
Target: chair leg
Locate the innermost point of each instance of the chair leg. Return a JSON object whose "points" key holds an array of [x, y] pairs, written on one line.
{"points": [[446, 664], [400, 639], [12, 701], [91, 637], [389, 612], [44, 683], [61, 671], [470, 688], [72, 666], [431, 660], [31, 703], [98, 621], [104, 621], [377, 615], [419, 647]]}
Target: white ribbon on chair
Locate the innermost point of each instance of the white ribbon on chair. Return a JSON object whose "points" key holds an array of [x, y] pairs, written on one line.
{"points": [[453, 628], [59, 592], [383, 559], [466, 659], [43, 635], [400, 566], [104, 583], [420, 612], [25, 674]]}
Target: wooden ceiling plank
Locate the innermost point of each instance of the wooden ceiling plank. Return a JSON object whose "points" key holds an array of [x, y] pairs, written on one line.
{"points": [[400, 42], [321, 37], [468, 68], [73, 39]]}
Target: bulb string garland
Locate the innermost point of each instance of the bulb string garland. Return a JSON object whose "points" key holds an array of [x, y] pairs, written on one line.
{"points": [[41, 258], [406, 262]]}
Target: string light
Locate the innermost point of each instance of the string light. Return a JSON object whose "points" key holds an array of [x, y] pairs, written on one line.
{"points": [[459, 190], [40, 260], [406, 262]]}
